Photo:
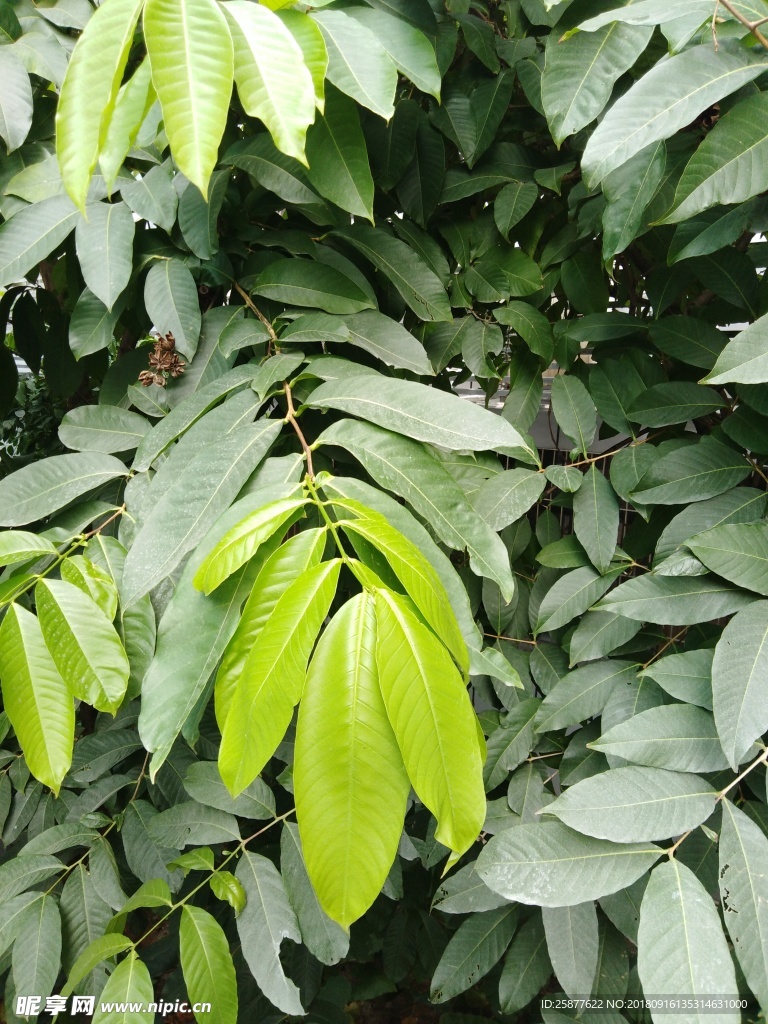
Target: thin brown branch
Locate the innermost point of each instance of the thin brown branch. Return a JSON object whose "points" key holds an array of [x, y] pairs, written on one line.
{"points": [[753, 26], [291, 418], [118, 512], [255, 309]]}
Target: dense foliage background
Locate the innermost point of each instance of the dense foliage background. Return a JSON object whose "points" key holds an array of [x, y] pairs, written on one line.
{"points": [[249, 324]]}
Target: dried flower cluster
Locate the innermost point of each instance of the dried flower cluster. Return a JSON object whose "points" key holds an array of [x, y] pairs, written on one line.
{"points": [[164, 361]]}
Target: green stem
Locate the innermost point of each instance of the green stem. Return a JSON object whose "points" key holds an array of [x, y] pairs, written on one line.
{"points": [[237, 850]]}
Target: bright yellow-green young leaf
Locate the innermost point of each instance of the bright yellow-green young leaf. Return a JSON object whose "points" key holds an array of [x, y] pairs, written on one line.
{"points": [[273, 82], [350, 783], [280, 570], [206, 962], [131, 107], [37, 700], [273, 677], [129, 983], [241, 543], [190, 52], [430, 711], [415, 573], [310, 39], [278, 5], [83, 643], [89, 92]]}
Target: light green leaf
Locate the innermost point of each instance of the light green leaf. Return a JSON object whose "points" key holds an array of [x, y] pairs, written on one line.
{"points": [[325, 939], [674, 600], [90, 90], [738, 552], [692, 473], [350, 783], [506, 497], [265, 921], [193, 633], [417, 576], [132, 105], [36, 699], [16, 101], [571, 595], [154, 893], [192, 505], [582, 694], [580, 71], [273, 82], [419, 412], [241, 543], [596, 518], [104, 242], [37, 949], [206, 962], [226, 887], [170, 295], [730, 164], [102, 948], [20, 546], [574, 411], [526, 966], [549, 865], [743, 360], [572, 945], [419, 286], [632, 804], [92, 325], [191, 54], [358, 64], [410, 50], [153, 197], [273, 676], [102, 428], [405, 467], [83, 643], [34, 232], [744, 894], [129, 985], [477, 946], [309, 37], [664, 100], [680, 943], [411, 661], [280, 569], [299, 282], [677, 737], [406, 523], [740, 681]]}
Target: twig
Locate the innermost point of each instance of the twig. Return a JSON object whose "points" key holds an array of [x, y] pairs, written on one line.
{"points": [[753, 26], [672, 640], [291, 418], [513, 639], [721, 796], [105, 524], [254, 308]]}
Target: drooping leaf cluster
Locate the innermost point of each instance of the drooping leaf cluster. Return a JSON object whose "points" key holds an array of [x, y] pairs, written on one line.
{"points": [[255, 250]]}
